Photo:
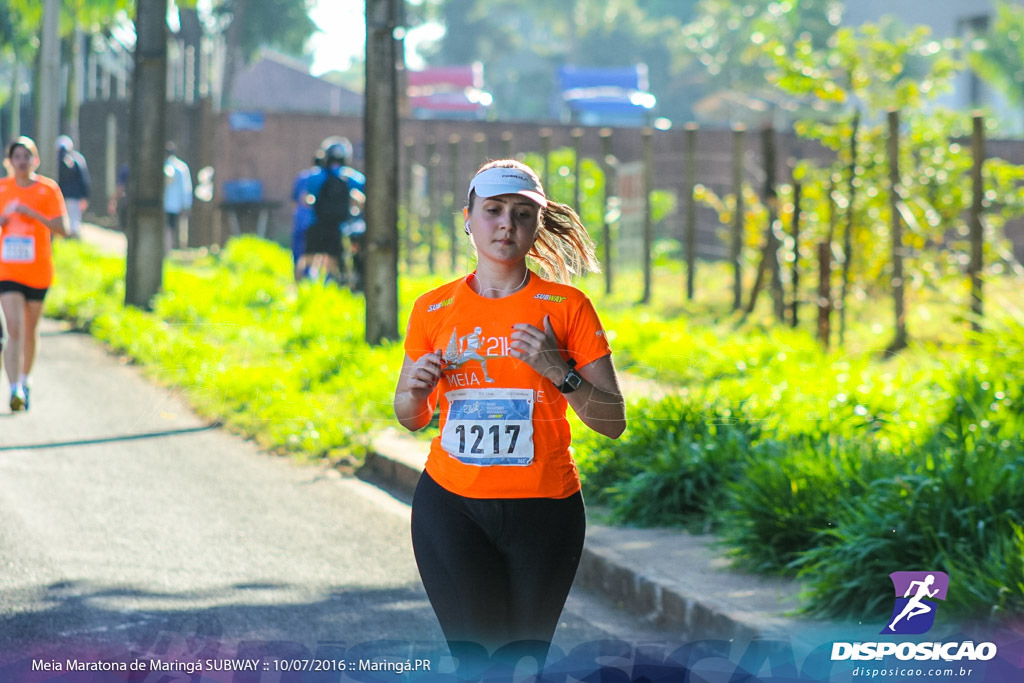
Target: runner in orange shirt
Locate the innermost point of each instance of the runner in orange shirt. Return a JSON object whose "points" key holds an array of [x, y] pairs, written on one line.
{"points": [[31, 207], [498, 518]]}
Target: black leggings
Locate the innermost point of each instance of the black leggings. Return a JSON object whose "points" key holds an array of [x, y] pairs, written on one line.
{"points": [[497, 571]]}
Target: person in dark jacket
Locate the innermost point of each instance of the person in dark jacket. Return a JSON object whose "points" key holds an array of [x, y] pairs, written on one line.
{"points": [[73, 180]]}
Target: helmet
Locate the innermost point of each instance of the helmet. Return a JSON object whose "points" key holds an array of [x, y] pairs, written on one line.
{"points": [[337, 151]]}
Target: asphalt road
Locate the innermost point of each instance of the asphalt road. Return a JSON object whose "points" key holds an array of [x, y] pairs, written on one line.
{"points": [[127, 525]]}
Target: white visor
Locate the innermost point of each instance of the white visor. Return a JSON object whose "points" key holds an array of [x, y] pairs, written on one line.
{"points": [[498, 181]]}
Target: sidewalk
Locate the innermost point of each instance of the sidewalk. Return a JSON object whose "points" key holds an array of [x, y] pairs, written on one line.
{"points": [[677, 580]]}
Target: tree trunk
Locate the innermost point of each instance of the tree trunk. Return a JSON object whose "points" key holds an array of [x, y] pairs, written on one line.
{"points": [[144, 268], [899, 342], [382, 140], [977, 227], [794, 304], [825, 271], [690, 234], [15, 97], [773, 244], [648, 248], [769, 264], [233, 58], [609, 191], [736, 241], [851, 179], [76, 81], [49, 90]]}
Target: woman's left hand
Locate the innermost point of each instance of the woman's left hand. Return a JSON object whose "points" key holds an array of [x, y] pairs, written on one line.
{"points": [[539, 349]]}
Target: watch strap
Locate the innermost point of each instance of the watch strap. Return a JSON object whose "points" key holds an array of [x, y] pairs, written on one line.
{"points": [[572, 379]]}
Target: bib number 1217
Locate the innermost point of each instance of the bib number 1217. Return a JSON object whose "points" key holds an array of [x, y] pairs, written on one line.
{"points": [[476, 435], [488, 427]]}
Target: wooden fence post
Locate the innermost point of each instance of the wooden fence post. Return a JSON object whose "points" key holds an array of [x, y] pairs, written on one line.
{"points": [[506, 144], [977, 227], [411, 216], [577, 153], [648, 239], [825, 270], [453, 199], [545, 153], [896, 226], [690, 228], [851, 180], [794, 304], [736, 243], [606, 168], [769, 263], [433, 162], [480, 143], [772, 194]]}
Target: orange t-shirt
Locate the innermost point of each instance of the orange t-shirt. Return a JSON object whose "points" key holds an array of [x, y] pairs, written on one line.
{"points": [[504, 433], [25, 255]]}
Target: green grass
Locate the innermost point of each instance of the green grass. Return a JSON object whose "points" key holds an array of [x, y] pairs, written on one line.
{"points": [[281, 364]]}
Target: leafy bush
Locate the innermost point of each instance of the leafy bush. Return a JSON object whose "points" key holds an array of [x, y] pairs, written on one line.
{"points": [[788, 494], [672, 464]]}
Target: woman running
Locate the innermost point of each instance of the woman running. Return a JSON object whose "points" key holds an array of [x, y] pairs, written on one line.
{"points": [[498, 518], [31, 207]]}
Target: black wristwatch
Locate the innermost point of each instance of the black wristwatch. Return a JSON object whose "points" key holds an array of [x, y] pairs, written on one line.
{"points": [[572, 381]]}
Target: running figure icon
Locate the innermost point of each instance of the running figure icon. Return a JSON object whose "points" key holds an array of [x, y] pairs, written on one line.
{"points": [[455, 358], [915, 606]]}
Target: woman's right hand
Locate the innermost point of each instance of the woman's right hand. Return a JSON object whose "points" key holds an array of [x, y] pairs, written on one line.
{"points": [[9, 209], [424, 374], [416, 383]]}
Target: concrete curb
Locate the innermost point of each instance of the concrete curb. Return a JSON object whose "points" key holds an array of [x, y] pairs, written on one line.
{"points": [[676, 580]]}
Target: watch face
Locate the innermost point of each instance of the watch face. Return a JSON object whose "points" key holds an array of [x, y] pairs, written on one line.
{"points": [[573, 380]]}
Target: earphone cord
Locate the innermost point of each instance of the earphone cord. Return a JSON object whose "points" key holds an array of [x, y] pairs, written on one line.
{"points": [[498, 289]]}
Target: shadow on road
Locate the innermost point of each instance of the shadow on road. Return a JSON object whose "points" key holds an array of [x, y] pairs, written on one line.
{"points": [[93, 622], [109, 439]]}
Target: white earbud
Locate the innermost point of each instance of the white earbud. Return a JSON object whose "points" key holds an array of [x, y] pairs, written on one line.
{"points": [[467, 227]]}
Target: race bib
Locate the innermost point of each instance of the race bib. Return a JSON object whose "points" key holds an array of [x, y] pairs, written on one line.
{"points": [[18, 250], [488, 427]]}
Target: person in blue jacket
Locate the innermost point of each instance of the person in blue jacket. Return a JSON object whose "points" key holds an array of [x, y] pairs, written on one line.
{"points": [[335, 192]]}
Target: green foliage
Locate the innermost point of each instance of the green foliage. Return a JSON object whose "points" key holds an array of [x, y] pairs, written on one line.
{"points": [[672, 465], [283, 24], [878, 66], [998, 54], [955, 502], [733, 42]]}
